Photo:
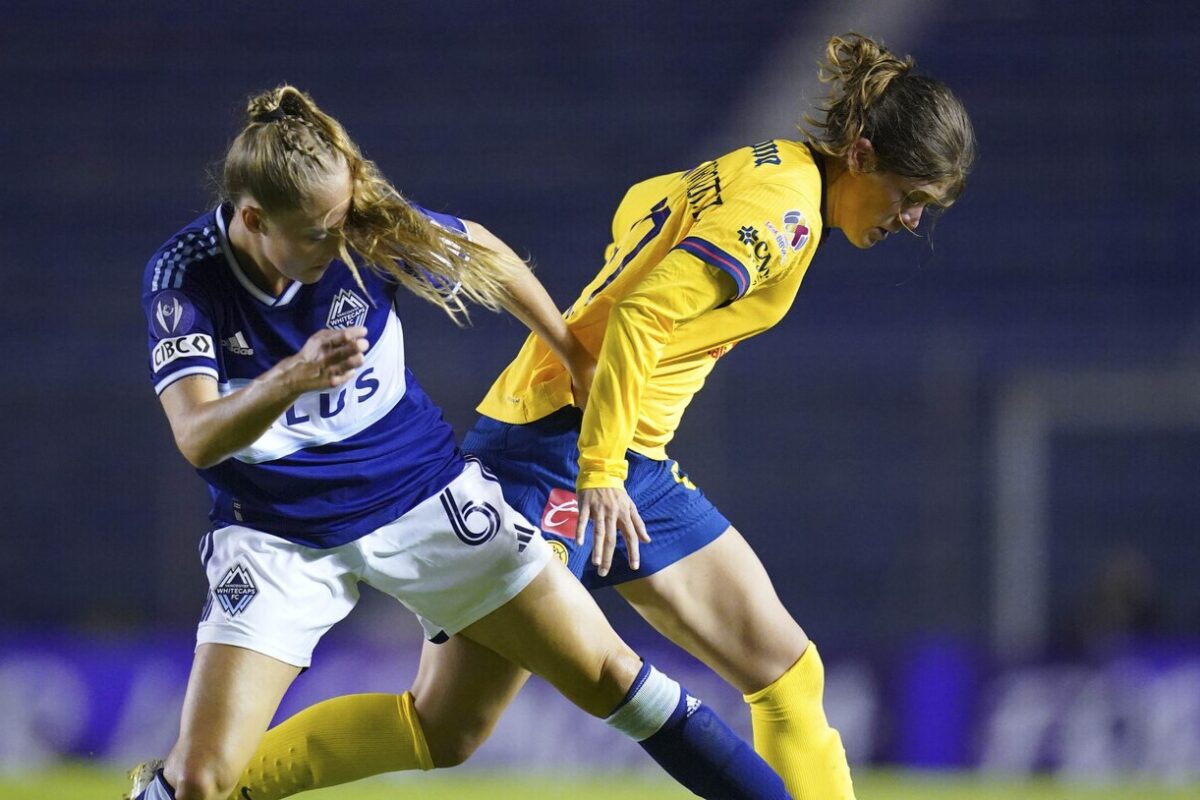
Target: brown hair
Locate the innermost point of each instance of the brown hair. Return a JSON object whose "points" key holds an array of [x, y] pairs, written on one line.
{"points": [[918, 128], [288, 147]]}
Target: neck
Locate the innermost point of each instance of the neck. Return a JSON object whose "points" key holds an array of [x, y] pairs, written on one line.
{"points": [[247, 249], [835, 169]]}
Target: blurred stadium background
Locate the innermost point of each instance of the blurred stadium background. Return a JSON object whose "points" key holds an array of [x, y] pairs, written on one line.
{"points": [[974, 476]]}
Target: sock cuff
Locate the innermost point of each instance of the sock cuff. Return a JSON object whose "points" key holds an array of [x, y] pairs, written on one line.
{"points": [[407, 708], [651, 701], [807, 675], [635, 687]]}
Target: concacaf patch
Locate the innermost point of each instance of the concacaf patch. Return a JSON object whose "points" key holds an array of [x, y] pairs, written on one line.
{"points": [[173, 314], [796, 228]]}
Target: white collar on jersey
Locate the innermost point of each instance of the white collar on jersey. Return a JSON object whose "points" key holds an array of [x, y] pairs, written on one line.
{"points": [[241, 276]]}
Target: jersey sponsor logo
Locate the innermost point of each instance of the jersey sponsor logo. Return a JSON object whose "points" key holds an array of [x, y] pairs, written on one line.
{"points": [[238, 345], [765, 153], [717, 352], [460, 519], [173, 313], [703, 188], [346, 310], [236, 590], [336, 414], [327, 405], [561, 513], [795, 226], [198, 345], [748, 235]]}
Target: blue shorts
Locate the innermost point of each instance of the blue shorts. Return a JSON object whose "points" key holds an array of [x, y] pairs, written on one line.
{"points": [[537, 464]]}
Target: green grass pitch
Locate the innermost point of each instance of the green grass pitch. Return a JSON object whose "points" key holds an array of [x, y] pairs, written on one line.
{"points": [[88, 782]]}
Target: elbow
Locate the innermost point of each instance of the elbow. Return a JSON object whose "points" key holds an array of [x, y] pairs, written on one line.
{"points": [[199, 454]]}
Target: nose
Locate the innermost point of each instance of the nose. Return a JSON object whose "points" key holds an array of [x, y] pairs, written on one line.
{"points": [[910, 216]]}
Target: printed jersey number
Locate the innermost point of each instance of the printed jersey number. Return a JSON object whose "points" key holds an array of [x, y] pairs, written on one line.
{"points": [[658, 217]]}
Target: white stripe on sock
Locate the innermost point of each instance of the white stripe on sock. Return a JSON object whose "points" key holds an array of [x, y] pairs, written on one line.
{"points": [[649, 708]]}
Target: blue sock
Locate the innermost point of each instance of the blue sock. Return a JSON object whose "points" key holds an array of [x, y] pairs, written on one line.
{"points": [[692, 743], [158, 789]]}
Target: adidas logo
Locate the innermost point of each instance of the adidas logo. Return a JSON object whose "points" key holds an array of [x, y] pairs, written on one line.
{"points": [[238, 345]]}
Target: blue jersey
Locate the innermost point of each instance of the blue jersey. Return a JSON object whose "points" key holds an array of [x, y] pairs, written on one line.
{"points": [[340, 462]]}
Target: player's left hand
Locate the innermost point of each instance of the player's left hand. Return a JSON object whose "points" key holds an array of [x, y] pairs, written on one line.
{"points": [[611, 511]]}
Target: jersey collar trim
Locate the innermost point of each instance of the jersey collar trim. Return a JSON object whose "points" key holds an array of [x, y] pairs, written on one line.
{"points": [[247, 284]]}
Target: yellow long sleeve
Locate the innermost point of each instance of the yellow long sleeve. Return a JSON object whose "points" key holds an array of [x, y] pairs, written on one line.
{"points": [[680, 288]]}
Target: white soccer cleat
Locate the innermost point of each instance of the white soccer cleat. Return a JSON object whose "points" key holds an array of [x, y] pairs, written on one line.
{"points": [[142, 775]]}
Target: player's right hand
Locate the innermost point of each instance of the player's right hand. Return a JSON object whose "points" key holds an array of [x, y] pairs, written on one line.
{"points": [[328, 359], [612, 512]]}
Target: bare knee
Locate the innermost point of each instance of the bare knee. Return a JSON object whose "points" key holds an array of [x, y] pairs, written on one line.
{"points": [[617, 674], [197, 777]]}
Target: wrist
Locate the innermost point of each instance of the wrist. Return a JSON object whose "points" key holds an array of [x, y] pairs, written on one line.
{"points": [[286, 381], [601, 478]]}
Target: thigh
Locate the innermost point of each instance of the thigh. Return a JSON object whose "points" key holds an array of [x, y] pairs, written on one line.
{"points": [[554, 629], [232, 694], [718, 603], [455, 557], [272, 596], [460, 692]]}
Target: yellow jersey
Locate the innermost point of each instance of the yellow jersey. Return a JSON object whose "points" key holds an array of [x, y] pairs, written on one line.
{"points": [[699, 261]]}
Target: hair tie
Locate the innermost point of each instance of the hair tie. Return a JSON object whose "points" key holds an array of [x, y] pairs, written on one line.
{"points": [[274, 115]]}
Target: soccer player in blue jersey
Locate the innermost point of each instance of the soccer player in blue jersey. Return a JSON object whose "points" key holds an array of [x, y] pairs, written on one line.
{"points": [[700, 260], [277, 354]]}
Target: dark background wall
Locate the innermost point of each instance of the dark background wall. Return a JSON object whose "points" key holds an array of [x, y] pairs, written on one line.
{"points": [[855, 445]]}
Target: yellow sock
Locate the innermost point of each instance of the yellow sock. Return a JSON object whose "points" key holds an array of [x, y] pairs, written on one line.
{"points": [[793, 736], [336, 741]]}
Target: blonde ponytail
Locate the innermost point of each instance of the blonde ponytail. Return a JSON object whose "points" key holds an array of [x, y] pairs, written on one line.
{"points": [[289, 147]]}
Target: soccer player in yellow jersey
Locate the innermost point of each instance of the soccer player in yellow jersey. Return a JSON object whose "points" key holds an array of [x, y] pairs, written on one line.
{"points": [[700, 260]]}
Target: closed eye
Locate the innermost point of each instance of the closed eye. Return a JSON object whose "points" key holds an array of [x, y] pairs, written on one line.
{"points": [[920, 198]]}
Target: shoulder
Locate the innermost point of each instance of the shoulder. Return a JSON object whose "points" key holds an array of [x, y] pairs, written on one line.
{"points": [[185, 256], [781, 169], [445, 220]]}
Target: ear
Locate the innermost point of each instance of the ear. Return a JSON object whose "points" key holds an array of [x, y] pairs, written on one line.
{"points": [[253, 219], [861, 156]]}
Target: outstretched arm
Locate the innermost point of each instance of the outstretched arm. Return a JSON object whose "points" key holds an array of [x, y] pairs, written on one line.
{"points": [[529, 302], [680, 288]]}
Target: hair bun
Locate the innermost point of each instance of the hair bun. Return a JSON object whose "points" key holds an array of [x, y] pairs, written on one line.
{"points": [[291, 102]]}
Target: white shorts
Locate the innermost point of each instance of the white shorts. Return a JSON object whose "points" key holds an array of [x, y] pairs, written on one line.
{"points": [[451, 560]]}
